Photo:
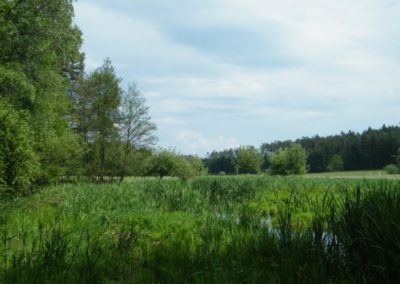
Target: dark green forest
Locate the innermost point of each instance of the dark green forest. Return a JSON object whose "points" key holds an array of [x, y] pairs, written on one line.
{"points": [[371, 149]]}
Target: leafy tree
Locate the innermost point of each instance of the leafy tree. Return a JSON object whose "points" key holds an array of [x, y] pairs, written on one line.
{"points": [[247, 160], [136, 128], [289, 161], [336, 163]]}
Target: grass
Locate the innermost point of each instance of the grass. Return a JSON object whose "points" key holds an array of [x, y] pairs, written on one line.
{"points": [[371, 174], [243, 229]]}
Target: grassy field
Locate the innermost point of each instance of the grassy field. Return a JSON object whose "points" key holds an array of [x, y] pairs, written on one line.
{"points": [[240, 229], [372, 174]]}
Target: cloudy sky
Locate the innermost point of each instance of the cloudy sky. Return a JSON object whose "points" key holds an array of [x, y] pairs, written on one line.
{"points": [[223, 73]]}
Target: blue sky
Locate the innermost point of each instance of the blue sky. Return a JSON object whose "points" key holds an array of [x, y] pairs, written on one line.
{"points": [[223, 73]]}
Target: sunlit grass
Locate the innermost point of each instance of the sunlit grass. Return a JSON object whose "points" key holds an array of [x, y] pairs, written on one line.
{"points": [[371, 174]]}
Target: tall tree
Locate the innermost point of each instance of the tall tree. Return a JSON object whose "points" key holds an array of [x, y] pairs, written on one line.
{"points": [[100, 97], [137, 129], [39, 59]]}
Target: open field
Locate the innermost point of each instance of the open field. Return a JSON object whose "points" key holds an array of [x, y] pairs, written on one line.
{"points": [[253, 229]]}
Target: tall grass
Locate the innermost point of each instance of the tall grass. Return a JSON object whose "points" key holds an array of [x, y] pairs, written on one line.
{"points": [[246, 229]]}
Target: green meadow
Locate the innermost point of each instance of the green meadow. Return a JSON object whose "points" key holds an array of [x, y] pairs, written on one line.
{"points": [[221, 229]]}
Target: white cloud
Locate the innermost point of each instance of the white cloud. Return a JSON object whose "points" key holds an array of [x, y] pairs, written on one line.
{"points": [[196, 142]]}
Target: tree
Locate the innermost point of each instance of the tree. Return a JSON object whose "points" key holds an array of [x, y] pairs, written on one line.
{"points": [[336, 164], [136, 128], [247, 160], [40, 59], [289, 161], [99, 98]]}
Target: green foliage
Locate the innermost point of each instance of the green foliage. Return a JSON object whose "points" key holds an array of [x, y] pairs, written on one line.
{"points": [[336, 164], [247, 160], [289, 161], [18, 161], [391, 169], [16, 88]]}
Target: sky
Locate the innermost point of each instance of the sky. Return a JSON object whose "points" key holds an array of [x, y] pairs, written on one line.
{"points": [[218, 74]]}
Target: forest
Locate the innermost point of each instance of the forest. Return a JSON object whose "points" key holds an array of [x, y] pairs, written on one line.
{"points": [[371, 149]]}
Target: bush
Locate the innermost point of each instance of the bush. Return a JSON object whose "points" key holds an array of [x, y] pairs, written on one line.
{"points": [[391, 169]]}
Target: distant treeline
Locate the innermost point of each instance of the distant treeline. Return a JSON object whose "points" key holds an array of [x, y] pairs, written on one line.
{"points": [[371, 149]]}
